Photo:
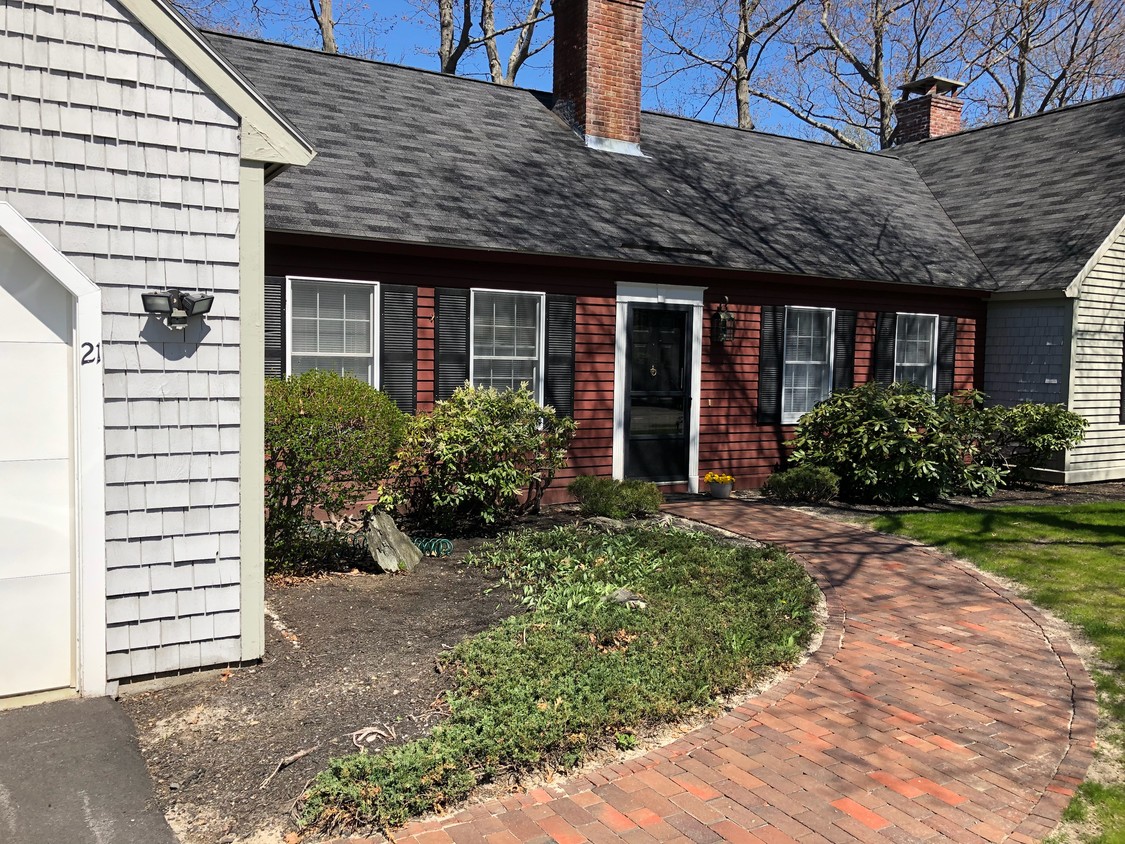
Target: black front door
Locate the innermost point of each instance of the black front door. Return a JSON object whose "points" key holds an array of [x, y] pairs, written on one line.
{"points": [[658, 391]]}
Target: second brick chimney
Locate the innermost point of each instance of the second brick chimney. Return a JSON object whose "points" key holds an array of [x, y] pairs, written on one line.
{"points": [[598, 71], [933, 112]]}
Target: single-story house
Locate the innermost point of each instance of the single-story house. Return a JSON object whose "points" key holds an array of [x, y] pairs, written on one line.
{"points": [[684, 290], [133, 160]]}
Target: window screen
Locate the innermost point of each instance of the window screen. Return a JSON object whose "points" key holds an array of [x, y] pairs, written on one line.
{"points": [[332, 328], [506, 340], [916, 349], [808, 361]]}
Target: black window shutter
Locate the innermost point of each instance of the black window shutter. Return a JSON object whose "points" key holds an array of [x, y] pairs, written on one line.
{"points": [[274, 319], [885, 326], [558, 387], [771, 359], [451, 340], [398, 350], [843, 366], [946, 354]]}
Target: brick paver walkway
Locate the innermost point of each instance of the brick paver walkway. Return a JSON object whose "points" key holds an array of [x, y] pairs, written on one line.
{"points": [[937, 709]]}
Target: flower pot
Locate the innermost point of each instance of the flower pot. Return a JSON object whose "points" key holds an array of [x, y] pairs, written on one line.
{"points": [[721, 490]]}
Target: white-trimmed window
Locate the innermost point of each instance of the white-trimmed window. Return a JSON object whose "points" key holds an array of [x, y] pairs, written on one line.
{"points": [[807, 377], [507, 340], [333, 326], [916, 349]]}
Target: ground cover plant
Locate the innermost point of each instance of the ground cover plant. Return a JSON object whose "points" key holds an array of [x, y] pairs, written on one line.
{"points": [[1069, 558], [586, 665], [328, 440]]}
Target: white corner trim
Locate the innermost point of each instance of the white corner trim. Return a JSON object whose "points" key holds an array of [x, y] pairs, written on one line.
{"points": [[276, 140], [666, 294], [89, 450], [1074, 289], [251, 405]]}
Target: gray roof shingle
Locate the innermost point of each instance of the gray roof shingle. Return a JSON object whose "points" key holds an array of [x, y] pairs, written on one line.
{"points": [[411, 156], [1034, 197], [416, 157]]}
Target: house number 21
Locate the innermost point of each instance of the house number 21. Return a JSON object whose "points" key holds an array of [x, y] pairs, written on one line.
{"points": [[91, 353]]}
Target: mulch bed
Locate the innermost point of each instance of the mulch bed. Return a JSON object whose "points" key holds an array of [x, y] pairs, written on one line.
{"points": [[1025, 495], [344, 652]]}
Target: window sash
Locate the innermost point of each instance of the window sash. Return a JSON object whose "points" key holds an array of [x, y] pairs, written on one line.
{"points": [[808, 344], [506, 341], [916, 349], [333, 325]]}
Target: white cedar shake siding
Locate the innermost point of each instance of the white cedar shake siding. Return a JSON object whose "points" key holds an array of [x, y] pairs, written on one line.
{"points": [[1096, 377], [1026, 349], [121, 156]]}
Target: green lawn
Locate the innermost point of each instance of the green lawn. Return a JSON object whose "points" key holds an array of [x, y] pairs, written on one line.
{"points": [[1071, 560]]}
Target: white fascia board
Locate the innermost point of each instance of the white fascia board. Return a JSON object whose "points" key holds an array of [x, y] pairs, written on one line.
{"points": [[1075, 287], [267, 136]]}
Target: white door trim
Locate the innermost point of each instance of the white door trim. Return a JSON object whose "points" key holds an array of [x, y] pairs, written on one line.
{"points": [[89, 448], [665, 294]]}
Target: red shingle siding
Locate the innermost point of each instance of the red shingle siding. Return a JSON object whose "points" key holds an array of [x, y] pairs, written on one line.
{"points": [[730, 436]]}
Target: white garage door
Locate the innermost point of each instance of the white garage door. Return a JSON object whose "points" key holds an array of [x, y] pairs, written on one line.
{"points": [[37, 639]]}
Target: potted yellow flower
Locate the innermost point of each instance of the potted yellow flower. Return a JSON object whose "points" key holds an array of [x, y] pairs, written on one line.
{"points": [[720, 484]]}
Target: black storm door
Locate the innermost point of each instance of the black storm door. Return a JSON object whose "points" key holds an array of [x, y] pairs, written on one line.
{"points": [[658, 392]]}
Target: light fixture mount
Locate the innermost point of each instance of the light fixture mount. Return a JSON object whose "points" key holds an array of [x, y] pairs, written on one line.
{"points": [[177, 307]]}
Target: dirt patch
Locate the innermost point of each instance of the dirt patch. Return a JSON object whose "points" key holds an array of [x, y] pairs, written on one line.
{"points": [[343, 653]]}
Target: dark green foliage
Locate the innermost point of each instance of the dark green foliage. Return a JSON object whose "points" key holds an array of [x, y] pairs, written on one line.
{"points": [[807, 483], [576, 673], [600, 496], [1025, 436], [463, 466], [896, 444], [329, 440]]}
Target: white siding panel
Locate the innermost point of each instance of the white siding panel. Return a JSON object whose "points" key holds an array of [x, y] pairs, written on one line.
{"points": [[1099, 335], [119, 156]]}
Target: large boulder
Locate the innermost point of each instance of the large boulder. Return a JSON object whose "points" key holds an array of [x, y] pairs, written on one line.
{"points": [[390, 548]]}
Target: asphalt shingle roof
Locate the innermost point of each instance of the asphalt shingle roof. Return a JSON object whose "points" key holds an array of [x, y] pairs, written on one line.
{"points": [[411, 156], [1034, 197]]}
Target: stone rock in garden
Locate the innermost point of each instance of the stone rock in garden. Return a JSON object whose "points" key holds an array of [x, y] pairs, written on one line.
{"points": [[607, 524], [627, 597], [390, 548]]}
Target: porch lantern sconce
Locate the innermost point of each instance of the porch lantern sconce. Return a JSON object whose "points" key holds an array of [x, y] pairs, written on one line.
{"points": [[723, 324], [177, 307]]}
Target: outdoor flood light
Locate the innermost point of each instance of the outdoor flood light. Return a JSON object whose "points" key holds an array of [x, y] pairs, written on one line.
{"points": [[177, 307], [158, 303], [196, 305]]}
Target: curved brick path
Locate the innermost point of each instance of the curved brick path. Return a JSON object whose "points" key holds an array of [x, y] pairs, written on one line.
{"points": [[937, 709]]}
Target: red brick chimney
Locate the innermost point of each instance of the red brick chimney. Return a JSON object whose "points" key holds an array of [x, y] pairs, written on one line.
{"points": [[598, 71], [934, 112]]}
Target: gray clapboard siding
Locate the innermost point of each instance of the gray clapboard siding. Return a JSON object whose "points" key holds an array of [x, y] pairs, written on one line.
{"points": [[120, 157], [1097, 389]]}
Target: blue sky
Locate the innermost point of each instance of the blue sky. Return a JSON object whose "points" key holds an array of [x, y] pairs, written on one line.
{"points": [[406, 32]]}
